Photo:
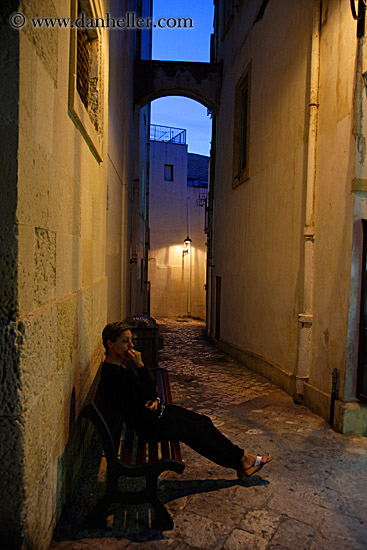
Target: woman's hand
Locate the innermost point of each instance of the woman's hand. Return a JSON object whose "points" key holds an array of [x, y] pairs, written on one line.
{"points": [[152, 405], [135, 357]]}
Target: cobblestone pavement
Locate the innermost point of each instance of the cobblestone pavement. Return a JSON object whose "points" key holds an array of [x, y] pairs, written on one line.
{"points": [[312, 496]]}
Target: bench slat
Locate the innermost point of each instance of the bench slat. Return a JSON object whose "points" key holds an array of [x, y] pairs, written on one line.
{"points": [[141, 452], [153, 452], [176, 450], [127, 450], [166, 452]]}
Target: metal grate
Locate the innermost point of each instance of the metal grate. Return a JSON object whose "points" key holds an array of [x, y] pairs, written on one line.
{"points": [[82, 81]]}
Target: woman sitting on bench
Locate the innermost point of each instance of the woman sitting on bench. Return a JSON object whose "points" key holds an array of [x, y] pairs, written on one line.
{"points": [[134, 394]]}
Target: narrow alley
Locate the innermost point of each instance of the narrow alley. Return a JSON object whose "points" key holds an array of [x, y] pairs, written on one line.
{"points": [[312, 496]]}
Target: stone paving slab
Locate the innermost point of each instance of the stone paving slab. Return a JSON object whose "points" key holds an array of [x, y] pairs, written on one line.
{"points": [[311, 497]]}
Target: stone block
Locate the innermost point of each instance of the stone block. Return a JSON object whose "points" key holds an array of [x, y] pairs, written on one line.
{"points": [[348, 532], [86, 213], [45, 41], [67, 328], [11, 482], [60, 125], [45, 266], [63, 44], [200, 532], [262, 523], [41, 508], [8, 273], [43, 131], [238, 540], [68, 265], [98, 216], [33, 183], [216, 507], [11, 336], [350, 417], [38, 357], [99, 303], [294, 534], [64, 201], [92, 315], [290, 499], [26, 269], [99, 259], [27, 86], [87, 258]]}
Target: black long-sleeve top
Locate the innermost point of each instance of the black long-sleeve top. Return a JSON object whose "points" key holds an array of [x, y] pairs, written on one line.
{"points": [[129, 392]]}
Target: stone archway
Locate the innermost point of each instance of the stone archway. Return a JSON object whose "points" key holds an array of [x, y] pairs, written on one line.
{"points": [[195, 80]]}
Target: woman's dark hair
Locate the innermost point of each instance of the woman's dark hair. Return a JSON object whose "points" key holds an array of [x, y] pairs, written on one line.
{"points": [[112, 331]]}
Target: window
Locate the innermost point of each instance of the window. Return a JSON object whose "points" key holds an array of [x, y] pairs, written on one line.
{"points": [[241, 164], [86, 76], [168, 172], [87, 73]]}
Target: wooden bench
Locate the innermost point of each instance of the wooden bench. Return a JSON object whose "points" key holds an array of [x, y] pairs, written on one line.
{"points": [[130, 456]]}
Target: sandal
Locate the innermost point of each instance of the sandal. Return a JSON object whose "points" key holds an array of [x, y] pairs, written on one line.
{"points": [[245, 473]]}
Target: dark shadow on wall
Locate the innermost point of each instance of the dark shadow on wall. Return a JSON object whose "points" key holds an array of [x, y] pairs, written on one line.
{"points": [[11, 439], [11, 425]]}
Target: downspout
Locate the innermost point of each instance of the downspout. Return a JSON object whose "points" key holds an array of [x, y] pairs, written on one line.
{"points": [[305, 318], [189, 249]]}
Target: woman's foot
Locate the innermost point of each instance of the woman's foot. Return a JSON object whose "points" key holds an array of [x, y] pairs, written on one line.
{"points": [[250, 464]]}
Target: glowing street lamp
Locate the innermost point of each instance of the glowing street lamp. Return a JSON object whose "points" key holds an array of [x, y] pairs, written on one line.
{"points": [[187, 250]]}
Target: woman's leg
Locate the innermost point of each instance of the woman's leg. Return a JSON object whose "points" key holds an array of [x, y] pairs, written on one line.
{"points": [[198, 432]]}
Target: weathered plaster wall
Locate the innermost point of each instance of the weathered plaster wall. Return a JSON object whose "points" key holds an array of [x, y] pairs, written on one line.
{"points": [[168, 268], [258, 225], [62, 275], [333, 198], [258, 242]]}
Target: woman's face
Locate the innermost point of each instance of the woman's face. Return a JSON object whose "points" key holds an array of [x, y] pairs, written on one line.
{"points": [[119, 349]]}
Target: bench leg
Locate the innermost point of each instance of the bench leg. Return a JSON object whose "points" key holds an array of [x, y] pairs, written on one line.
{"points": [[95, 517], [162, 519]]}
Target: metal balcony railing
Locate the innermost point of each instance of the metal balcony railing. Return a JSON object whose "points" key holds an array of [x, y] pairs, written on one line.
{"points": [[167, 134]]}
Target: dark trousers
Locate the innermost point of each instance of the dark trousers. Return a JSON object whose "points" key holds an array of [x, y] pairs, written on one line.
{"points": [[198, 432]]}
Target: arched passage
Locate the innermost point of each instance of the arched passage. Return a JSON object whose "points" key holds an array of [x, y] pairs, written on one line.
{"points": [[198, 81], [178, 189]]}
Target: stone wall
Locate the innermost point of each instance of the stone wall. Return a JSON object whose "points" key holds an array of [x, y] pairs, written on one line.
{"points": [[54, 277], [11, 424], [62, 282]]}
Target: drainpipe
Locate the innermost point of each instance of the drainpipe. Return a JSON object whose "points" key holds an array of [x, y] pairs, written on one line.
{"points": [[305, 318], [189, 249]]}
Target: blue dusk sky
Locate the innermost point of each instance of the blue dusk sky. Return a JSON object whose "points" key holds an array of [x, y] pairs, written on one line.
{"points": [[184, 45]]}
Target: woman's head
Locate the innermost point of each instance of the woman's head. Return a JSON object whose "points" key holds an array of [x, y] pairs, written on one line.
{"points": [[113, 331]]}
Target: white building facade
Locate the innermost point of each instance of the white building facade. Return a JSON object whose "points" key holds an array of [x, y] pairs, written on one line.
{"points": [[177, 271]]}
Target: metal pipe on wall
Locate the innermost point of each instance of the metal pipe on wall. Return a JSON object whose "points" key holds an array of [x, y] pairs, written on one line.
{"points": [[305, 318], [189, 251]]}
